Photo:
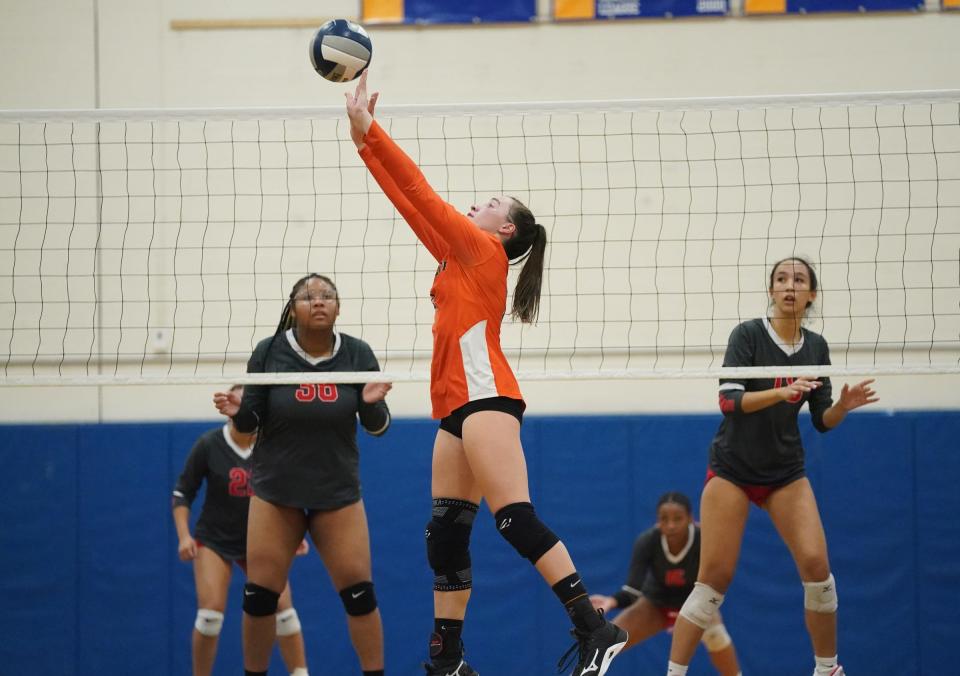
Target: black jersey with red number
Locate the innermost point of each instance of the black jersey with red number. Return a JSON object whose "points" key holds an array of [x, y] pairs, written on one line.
{"points": [[306, 454], [665, 579], [763, 448], [222, 525]]}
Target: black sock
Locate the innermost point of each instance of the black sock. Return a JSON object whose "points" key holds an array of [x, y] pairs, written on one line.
{"points": [[573, 596], [445, 641], [374, 672], [247, 672]]}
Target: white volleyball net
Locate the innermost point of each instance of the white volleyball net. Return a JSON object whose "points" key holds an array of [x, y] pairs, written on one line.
{"points": [[160, 246]]}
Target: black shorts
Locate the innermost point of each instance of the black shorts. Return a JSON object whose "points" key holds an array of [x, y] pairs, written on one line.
{"points": [[231, 554], [453, 423]]}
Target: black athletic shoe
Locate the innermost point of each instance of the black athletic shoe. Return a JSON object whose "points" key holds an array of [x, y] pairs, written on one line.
{"points": [[594, 650], [450, 666], [456, 668]]}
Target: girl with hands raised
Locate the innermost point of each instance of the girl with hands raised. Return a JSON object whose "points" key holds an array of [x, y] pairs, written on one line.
{"points": [[757, 456]]}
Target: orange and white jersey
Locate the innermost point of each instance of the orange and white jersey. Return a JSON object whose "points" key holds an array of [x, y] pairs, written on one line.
{"points": [[469, 290]]}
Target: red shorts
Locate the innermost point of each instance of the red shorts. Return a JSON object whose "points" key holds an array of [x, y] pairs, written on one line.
{"points": [[669, 616], [757, 494]]}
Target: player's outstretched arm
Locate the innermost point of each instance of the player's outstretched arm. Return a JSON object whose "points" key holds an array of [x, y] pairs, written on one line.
{"points": [[464, 239], [420, 226]]}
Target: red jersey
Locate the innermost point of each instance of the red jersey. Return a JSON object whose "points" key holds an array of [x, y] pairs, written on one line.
{"points": [[469, 290]]}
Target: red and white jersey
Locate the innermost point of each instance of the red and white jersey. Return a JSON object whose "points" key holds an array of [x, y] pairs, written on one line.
{"points": [[469, 290]]}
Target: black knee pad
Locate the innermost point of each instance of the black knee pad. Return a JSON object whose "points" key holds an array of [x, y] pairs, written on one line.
{"points": [[359, 599], [448, 543], [259, 601], [519, 525]]}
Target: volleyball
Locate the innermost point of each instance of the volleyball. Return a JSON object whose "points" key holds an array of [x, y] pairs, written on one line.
{"points": [[340, 50]]}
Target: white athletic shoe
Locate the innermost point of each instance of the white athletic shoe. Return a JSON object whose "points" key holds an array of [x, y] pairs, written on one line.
{"points": [[837, 671]]}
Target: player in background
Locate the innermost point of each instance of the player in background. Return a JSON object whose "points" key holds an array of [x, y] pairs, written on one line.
{"points": [[663, 568], [306, 469], [757, 456], [221, 457], [477, 452]]}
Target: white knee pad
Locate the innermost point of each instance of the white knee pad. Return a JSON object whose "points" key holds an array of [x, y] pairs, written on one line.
{"points": [[702, 604], [716, 638], [288, 623], [820, 597], [209, 622]]}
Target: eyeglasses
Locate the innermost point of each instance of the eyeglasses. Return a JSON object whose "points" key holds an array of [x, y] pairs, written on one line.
{"points": [[326, 297]]}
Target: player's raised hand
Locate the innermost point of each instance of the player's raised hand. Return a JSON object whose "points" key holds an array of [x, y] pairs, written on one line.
{"points": [[360, 110], [228, 403], [374, 392], [794, 391], [859, 395]]}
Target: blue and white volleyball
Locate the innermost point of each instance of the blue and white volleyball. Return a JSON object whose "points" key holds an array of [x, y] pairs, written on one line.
{"points": [[340, 50]]}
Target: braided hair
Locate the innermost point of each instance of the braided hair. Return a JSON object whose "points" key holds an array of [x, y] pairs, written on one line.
{"points": [[675, 498], [287, 318]]}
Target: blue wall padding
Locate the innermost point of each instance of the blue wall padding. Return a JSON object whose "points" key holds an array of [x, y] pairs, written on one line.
{"points": [[936, 468], [92, 584], [803, 6], [467, 11]]}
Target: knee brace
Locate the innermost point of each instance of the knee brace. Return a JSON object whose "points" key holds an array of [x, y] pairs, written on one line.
{"points": [[716, 638], [288, 623], [820, 597], [702, 604], [209, 622], [448, 543], [359, 599], [519, 525], [259, 601]]}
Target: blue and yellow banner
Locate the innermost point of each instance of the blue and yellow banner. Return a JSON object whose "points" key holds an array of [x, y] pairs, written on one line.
{"points": [[754, 7], [446, 11], [569, 10]]}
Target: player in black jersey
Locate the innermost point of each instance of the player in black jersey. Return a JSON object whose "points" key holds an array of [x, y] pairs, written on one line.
{"points": [[662, 572], [306, 469], [757, 456], [221, 457]]}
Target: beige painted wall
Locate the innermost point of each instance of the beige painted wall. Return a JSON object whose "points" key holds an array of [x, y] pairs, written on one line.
{"points": [[143, 63]]}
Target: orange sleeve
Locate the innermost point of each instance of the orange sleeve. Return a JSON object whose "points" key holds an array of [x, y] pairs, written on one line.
{"points": [[465, 240], [420, 226]]}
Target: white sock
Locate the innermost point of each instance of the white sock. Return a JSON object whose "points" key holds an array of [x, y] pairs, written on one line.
{"points": [[825, 665], [299, 671], [674, 669]]}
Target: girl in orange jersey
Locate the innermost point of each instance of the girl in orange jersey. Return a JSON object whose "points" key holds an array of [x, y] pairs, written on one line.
{"points": [[477, 452]]}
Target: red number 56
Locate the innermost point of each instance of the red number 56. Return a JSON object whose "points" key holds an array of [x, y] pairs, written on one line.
{"points": [[311, 391]]}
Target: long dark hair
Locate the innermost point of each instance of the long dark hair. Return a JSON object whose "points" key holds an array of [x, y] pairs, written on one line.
{"points": [[810, 272], [675, 498], [528, 244], [287, 318]]}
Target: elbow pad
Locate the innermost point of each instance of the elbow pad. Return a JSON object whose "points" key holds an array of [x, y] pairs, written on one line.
{"points": [[730, 400]]}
